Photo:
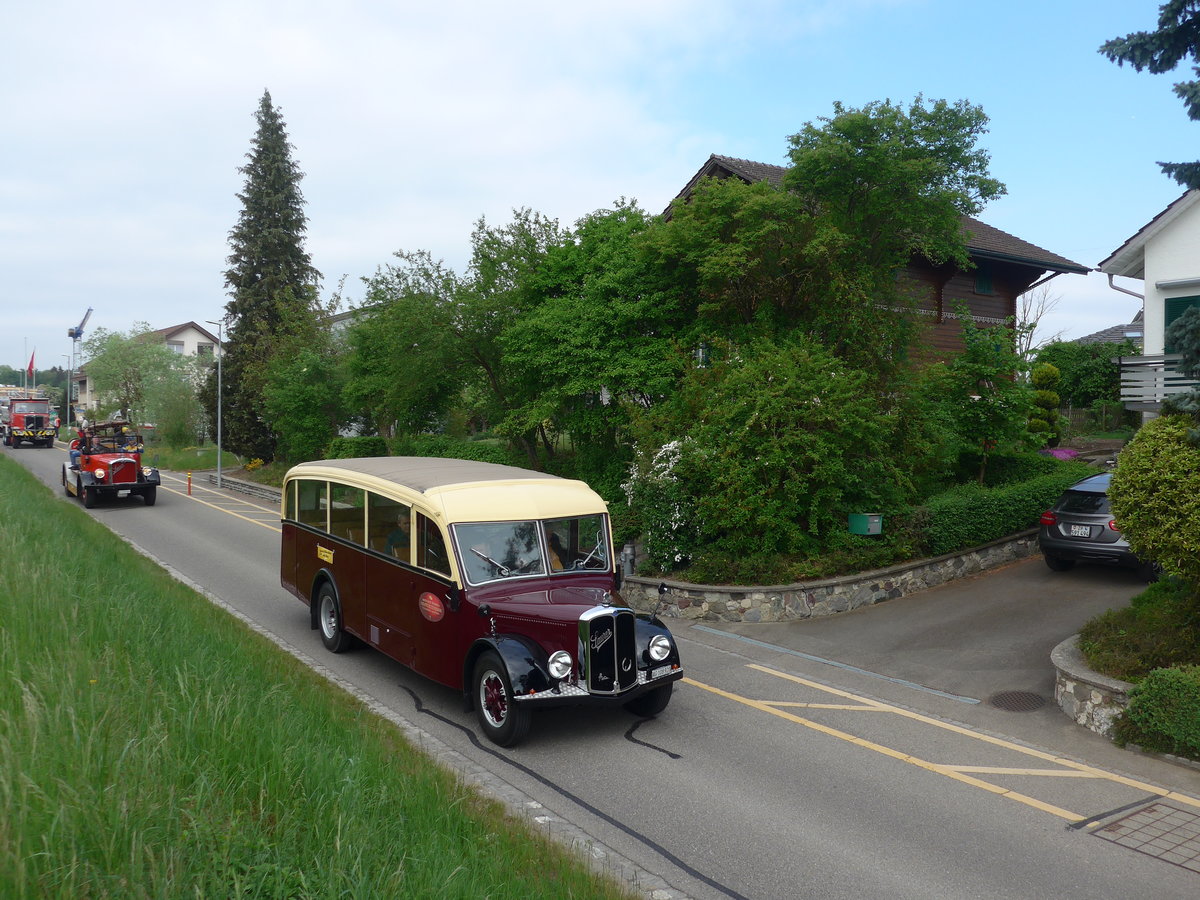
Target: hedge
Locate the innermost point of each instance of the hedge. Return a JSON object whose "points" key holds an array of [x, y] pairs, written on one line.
{"points": [[451, 448], [1164, 711], [354, 447], [969, 515]]}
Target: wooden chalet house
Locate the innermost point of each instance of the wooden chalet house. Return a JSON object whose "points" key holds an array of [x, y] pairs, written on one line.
{"points": [[1005, 266]]}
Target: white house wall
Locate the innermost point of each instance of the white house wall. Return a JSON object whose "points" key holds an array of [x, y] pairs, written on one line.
{"points": [[1172, 270]]}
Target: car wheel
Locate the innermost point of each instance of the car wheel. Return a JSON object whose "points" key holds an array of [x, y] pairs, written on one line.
{"points": [[1057, 563], [650, 703], [1151, 572], [329, 620], [503, 720], [89, 497], [150, 494]]}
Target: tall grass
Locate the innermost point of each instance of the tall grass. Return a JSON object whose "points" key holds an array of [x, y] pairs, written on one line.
{"points": [[152, 746]]}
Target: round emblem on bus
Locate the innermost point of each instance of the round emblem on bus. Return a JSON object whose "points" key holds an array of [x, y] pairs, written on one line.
{"points": [[431, 607]]}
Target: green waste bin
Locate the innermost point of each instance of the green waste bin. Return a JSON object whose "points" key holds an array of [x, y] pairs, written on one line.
{"points": [[866, 523]]}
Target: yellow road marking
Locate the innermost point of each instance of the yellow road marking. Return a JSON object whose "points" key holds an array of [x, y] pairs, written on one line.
{"points": [[1006, 770], [1089, 771], [889, 751], [854, 706], [272, 527], [1071, 769]]}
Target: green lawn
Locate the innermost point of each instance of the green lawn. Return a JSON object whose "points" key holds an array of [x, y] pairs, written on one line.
{"points": [[153, 746]]}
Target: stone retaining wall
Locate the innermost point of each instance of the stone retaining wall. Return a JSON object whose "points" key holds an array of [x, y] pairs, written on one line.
{"points": [[1089, 698], [724, 603]]}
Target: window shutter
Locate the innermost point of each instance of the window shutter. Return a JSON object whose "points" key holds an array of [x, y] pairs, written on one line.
{"points": [[1174, 308]]}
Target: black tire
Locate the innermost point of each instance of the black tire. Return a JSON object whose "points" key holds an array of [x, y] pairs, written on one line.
{"points": [[651, 703], [1057, 563], [150, 494], [503, 720], [329, 620], [1151, 572], [89, 497]]}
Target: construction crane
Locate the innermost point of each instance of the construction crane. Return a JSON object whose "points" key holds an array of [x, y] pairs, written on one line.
{"points": [[76, 333]]}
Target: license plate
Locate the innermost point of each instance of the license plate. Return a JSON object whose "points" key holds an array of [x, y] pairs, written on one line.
{"points": [[659, 672], [1081, 531]]}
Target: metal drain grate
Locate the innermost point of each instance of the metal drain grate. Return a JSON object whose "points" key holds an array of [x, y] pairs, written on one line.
{"points": [[1017, 701]]}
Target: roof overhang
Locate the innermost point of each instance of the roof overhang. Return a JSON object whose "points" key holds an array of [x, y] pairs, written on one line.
{"points": [[1129, 260]]}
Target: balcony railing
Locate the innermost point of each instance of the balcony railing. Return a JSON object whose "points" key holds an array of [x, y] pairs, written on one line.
{"points": [[1147, 380]]}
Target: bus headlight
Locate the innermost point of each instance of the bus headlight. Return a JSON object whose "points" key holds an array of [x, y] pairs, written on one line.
{"points": [[660, 648], [560, 664], [99, 473]]}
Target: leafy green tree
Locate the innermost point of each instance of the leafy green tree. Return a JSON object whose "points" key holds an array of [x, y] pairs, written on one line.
{"points": [[1177, 38], [1087, 373], [1044, 420], [404, 366], [600, 341], [782, 441], [1155, 493], [270, 279], [127, 370], [174, 408], [895, 182], [887, 185], [991, 406], [505, 280], [302, 400]]}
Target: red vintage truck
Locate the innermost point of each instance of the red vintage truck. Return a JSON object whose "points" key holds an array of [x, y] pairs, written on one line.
{"points": [[106, 461], [28, 419]]}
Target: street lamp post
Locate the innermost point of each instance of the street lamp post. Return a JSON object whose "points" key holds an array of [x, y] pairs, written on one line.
{"points": [[220, 353]]}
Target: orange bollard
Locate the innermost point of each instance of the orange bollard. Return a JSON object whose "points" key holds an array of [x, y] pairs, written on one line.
{"points": [[189, 484]]}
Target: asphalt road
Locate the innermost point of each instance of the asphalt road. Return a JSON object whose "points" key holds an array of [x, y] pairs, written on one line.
{"points": [[850, 756]]}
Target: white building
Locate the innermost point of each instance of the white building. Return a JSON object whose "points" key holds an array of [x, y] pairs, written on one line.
{"points": [[1165, 256]]}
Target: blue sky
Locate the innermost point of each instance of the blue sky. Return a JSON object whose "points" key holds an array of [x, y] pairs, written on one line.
{"points": [[124, 126]]}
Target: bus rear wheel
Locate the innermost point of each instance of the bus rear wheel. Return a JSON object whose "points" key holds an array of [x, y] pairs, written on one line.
{"points": [[329, 620]]}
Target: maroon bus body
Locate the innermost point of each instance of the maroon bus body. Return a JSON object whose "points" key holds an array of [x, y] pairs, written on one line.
{"points": [[544, 608]]}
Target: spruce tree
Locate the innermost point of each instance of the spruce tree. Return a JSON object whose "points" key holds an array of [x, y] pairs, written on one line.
{"points": [[271, 281], [1176, 39]]}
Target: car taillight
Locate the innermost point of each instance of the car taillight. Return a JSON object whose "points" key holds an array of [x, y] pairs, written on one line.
{"points": [[1049, 518], [1113, 527]]}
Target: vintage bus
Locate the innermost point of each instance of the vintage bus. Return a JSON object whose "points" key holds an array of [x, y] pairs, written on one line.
{"points": [[495, 580]]}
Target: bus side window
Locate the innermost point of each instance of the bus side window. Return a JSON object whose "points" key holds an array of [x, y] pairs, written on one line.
{"points": [[390, 526], [312, 504], [431, 549], [346, 512]]}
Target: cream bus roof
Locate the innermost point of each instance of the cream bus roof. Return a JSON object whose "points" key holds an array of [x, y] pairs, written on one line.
{"points": [[463, 490]]}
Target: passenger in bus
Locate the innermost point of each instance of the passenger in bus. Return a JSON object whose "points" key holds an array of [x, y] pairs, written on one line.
{"points": [[398, 539], [558, 553]]}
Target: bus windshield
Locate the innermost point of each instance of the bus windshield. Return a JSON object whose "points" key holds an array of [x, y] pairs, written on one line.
{"points": [[491, 551]]}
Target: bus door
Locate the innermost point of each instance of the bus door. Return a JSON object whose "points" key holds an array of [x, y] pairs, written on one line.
{"points": [[389, 577]]}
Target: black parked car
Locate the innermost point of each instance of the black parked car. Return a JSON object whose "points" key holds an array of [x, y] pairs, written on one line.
{"points": [[1080, 528]]}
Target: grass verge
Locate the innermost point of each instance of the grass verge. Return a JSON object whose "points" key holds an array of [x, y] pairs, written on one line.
{"points": [[153, 746]]}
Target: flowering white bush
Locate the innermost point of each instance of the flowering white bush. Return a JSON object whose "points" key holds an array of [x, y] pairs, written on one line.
{"points": [[667, 508]]}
